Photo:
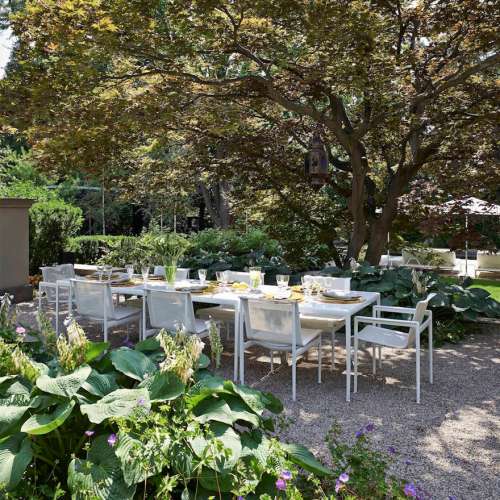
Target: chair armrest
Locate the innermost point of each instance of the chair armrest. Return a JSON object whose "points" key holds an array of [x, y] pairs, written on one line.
{"points": [[394, 309], [386, 321]]}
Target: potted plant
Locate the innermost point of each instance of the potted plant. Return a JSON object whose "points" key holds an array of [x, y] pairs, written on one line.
{"points": [[169, 248]]}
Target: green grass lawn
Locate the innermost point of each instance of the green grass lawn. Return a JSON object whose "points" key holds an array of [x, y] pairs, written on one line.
{"points": [[489, 285]]}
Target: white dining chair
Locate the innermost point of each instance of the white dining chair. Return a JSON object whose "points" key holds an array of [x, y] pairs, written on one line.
{"points": [[181, 274], [47, 287], [275, 325], [171, 310], [326, 323], [94, 301], [406, 336]]}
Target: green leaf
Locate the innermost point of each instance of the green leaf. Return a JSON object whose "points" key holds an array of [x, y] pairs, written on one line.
{"points": [[256, 444], [119, 403], [132, 363], [214, 481], [100, 384], [43, 423], [137, 465], [258, 401], [151, 344], [204, 388], [163, 386], [221, 462], [100, 476], [15, 456], [12, 410], [67, 385], [301, 456], [94, 350], [203, 362]]}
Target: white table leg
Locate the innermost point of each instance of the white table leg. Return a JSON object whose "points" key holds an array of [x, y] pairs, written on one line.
{"points": [[237, 328], [348, 358], [143, 333], [57, 309]]}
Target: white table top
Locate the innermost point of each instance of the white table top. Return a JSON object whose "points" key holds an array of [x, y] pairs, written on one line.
{"points": [[309, 306]]}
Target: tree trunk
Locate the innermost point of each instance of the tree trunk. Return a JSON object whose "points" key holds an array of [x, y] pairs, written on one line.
{"points": [[217, 204]]}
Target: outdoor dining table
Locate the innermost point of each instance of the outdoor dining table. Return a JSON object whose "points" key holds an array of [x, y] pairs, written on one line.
{"points": [[311, 306]]}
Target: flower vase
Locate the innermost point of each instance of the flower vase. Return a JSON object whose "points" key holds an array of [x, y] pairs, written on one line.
{"points": [[170, 273]]}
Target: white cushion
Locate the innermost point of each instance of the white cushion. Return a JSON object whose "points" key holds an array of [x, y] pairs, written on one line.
{"points": [[384, 336], [321, 323], [200, 325], [221, 313], [264, 337]]}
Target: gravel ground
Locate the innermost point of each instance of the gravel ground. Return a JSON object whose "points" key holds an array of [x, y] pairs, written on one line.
{"points": [[448, 445]]}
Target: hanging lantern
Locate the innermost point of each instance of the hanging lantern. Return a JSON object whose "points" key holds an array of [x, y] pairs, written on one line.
{"points": [[316, 164]]}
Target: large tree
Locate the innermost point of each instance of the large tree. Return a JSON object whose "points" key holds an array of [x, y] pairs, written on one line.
{"points": [[399, 89]]}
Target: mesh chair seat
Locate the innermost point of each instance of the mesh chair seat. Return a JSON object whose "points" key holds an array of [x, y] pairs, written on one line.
{"points": [[321, 323], [384, 336], [307, 337], [218, 313]]}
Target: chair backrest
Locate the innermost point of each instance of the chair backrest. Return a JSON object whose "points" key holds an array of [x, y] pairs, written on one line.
{"points": [[239, 276], [181, 273], [272, 321], [339, 284], [52, 274], [93, 298], [170, 309], [419, 314]]}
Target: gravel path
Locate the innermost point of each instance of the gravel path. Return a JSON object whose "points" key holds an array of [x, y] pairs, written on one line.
{"points": [[450, 440]]}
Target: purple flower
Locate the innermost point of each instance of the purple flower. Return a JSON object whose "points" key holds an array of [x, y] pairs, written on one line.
{"points": [[240, 498], [452, 497], [338, 485], [408, 461], [281, 484], [89, 433], [369, 427], [286, 475], [112, 439], [410, 490], [128, 343], [344, 477], [360, 433], [20, 330], [391, 450], [141, 401]]}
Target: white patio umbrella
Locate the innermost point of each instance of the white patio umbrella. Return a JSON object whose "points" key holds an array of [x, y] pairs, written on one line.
{"points": [[471, 206]]}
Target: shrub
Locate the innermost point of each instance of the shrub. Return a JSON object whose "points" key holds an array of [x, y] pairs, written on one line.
{"points": [[89, 249], [52, 224]]}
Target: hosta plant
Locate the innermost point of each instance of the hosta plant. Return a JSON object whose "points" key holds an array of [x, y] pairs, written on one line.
{"points": [[148, 422]]}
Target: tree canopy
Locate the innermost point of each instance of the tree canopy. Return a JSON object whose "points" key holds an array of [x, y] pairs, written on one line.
{"points": [[231, 91]]}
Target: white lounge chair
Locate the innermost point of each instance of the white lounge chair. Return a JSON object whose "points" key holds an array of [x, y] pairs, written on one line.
{"points": [[276, 326], [487, 263], [375, 334], [94, 301]]}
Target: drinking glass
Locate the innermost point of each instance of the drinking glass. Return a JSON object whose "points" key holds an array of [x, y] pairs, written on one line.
{"points": [[130, 271], [108, 271], [282, 280], [100, 271], [306, 286], [222, 278], [145, 273], [255, 277], [202, 275]]}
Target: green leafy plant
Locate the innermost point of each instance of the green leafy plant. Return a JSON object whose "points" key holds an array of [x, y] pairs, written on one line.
{"points": [[134, 422]]}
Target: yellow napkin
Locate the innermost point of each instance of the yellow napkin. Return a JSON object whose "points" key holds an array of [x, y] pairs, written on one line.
{"points": [[239, 286]]}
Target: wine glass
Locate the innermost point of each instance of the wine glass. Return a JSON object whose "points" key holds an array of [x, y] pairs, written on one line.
{"points": [[100, 271], [282, 280], [145, 273], [108, 270], [222, 278], [306, 286], [202, 275], [130, 271]]}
